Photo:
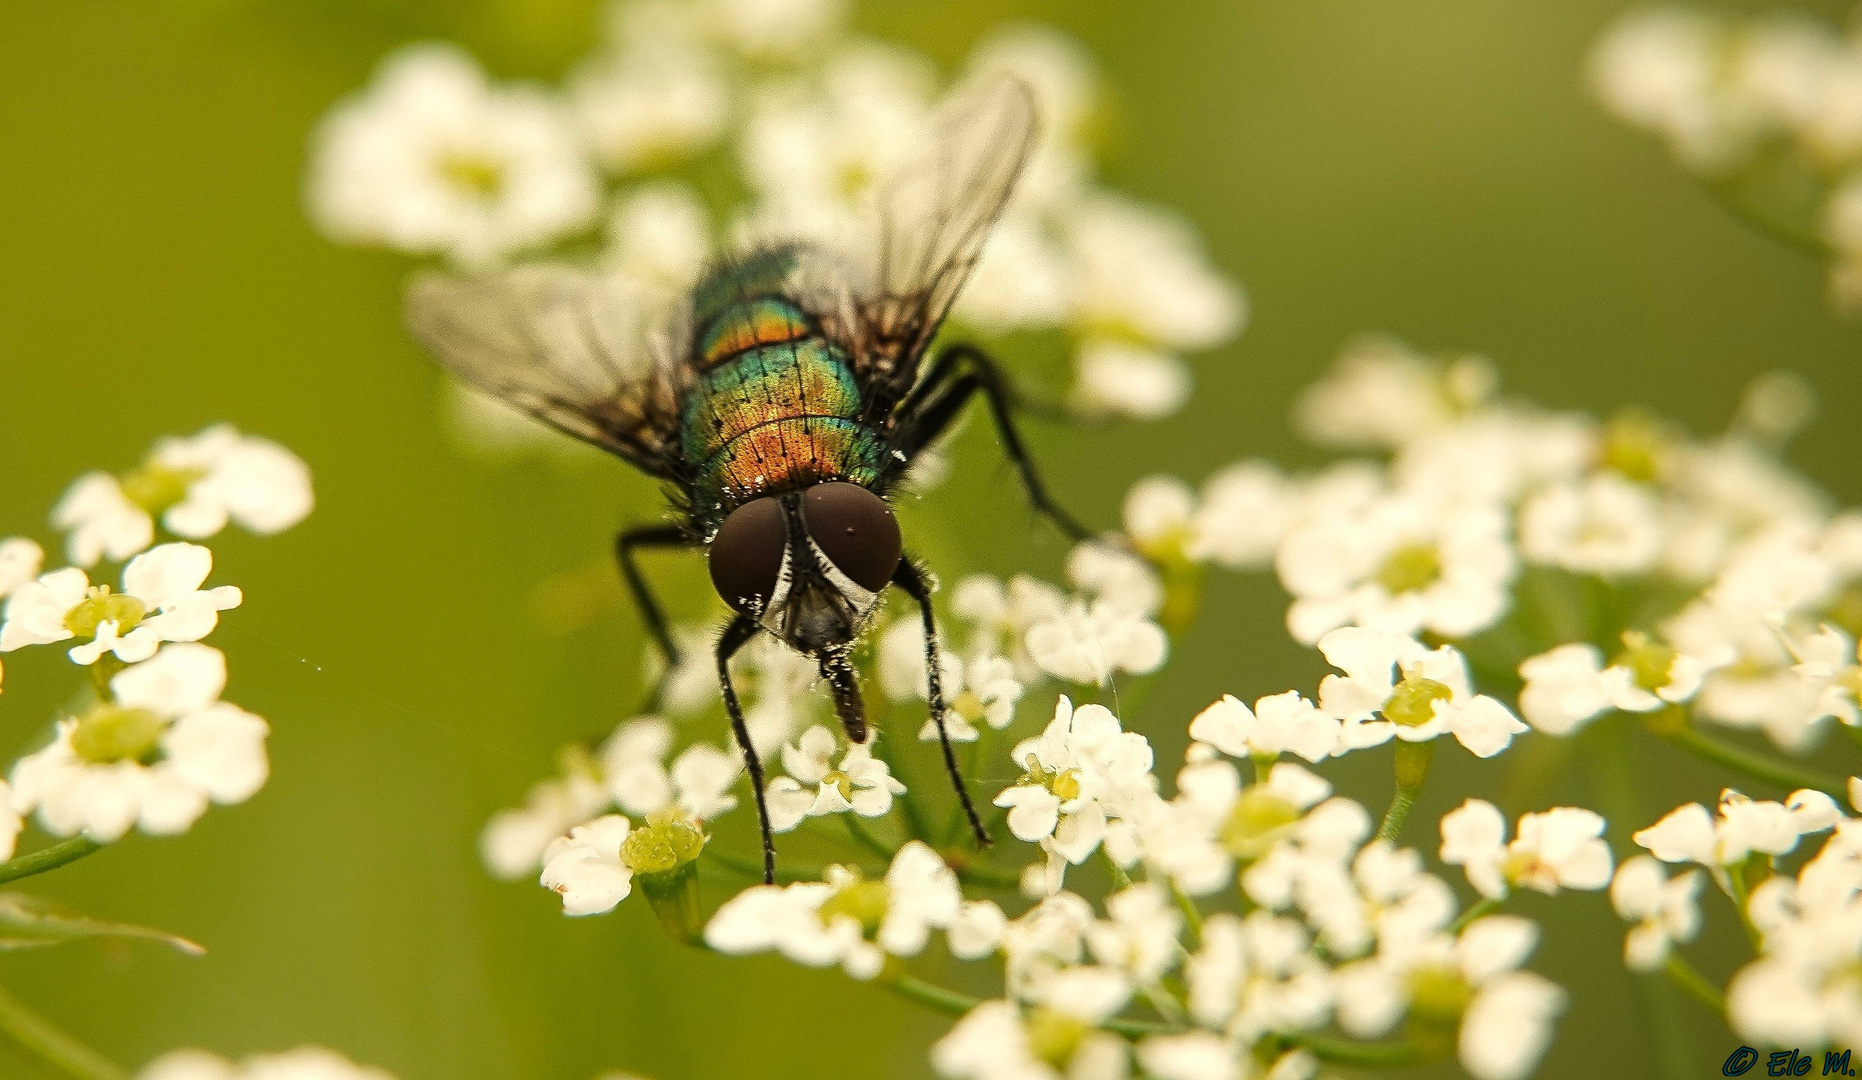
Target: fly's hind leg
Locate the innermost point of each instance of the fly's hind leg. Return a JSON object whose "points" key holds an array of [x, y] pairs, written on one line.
{"points": [[958, 374], [656, 536], [912, 582]]}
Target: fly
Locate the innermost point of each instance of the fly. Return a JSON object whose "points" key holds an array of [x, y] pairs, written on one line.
{"points": [[782, 402]]}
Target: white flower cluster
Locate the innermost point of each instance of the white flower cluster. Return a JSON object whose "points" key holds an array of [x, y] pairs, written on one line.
{"points": [[1803, 988], [155, 744], [304, 1063], [1342, 933], [1746, 95], [435, 159]]}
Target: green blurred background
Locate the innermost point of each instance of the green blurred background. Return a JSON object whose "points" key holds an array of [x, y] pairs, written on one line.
{"points": [[1431, 168]]}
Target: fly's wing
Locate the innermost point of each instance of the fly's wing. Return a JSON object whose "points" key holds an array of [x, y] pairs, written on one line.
{"points": [[932, 219], [584, 352]]}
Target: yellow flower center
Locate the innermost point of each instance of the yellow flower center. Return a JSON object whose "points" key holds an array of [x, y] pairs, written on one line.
{"points": [[475, 173], [1438, 995], [1054, 1036], [100, 605], [1650, 661], [968, 706], [1412, 701], [1256, 822], [108, 734], [666, 842], [1064, 783], [863, 901], [1410, 568], [1634, 443], [155, 488]]}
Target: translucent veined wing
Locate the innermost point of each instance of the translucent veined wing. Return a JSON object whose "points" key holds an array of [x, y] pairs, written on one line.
{"points": [[588, 353], [932, 218]]}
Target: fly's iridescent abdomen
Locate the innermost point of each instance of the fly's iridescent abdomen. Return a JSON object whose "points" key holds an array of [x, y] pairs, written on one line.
{"points": [[776, 406]]}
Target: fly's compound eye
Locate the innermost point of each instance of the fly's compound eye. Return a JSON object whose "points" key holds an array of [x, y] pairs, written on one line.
{"points": [[855, 529], [746, 555]]}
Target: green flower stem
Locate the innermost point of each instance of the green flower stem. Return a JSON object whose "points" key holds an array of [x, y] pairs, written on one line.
{"points": [[35, 1038], [916, 823], [1760, 767], [1412, 769], [1736, 888], [857, 828], [1366, 1055], [1694, 984], [1192, 915], [988, 877], [48, 858], [1487, 906], [1742, 206], [1120, 879], [788, 872], [956, 1003]]}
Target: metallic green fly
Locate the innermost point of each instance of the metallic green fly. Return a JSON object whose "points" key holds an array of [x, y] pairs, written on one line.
{"points": [[782, 401]]}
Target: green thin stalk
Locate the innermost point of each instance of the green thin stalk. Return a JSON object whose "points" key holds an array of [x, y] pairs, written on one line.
{"points": [[1192, 915], [1120, 879], [1365, 1055], [1760, 767], [1736, 888], [58, 1053], [1694, 984], [858, 830], [1487, 906], [788, 872], [48, 858], [956, 1003], [1412, 769]]}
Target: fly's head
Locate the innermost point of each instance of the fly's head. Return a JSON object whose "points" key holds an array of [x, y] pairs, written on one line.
{"points": [[808, 566]]}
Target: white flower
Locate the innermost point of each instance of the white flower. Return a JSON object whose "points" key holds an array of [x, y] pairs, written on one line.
{"points": [[815, 786], [303, 1063], [1743, 826], [1508, 1026], [1664, 910], [1256, 975], [1106, 574], [1471, 983], [20, 560], [432, 159], [586, 867], [1282, 723], [649, 107], [812, 155], [101, 520], [1140, 274], [1432, 696], [1399, 564], [1080, 771], [1658, 69], [634, 770], [1826, 661], [659, 236], [991, 1042], [1088, 644], [844, 920], [513, 841], [1192, 1055], [153, 757], [1559, 848], [976, 931], [231, 477], [1381, 393], [1140, 937], [1606, 525], [1245, 509], [1803, 989], [161, 601], [10, 822], [1116, 378]]}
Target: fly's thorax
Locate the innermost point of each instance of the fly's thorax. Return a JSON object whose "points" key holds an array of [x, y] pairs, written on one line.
{"points": [[808, 565]]}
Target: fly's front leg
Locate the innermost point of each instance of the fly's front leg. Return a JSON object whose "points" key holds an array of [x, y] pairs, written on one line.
{"points": [[958, 374], [659, 536], [740, 631], [911, 581]]}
